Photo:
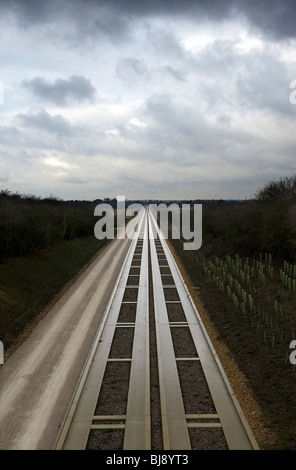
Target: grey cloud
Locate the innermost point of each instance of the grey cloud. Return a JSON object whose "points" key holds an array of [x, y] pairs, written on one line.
{"points": [[30, 10], [179, 128], [264, 85], [270, 16], [182, 135], [11, 136], [227, 80], [277, 19], [179, 121], [4, 179], [194, 100], [73, 180], [76, 87], [112, 17], [42, 11], [177, 74], [42, 120], [163, 41], [131, 69], [72, 21]]}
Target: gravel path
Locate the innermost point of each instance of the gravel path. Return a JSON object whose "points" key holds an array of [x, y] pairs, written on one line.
{"points": [[38, 379]]}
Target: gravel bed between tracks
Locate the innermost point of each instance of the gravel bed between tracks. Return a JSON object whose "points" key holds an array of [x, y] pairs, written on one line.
{"points": [[113, 396]]}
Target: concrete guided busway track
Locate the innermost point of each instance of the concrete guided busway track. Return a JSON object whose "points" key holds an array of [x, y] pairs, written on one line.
{"points": [[197, 408]]}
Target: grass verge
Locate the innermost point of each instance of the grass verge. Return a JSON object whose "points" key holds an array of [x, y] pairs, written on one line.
{"points": [[29, 286]]}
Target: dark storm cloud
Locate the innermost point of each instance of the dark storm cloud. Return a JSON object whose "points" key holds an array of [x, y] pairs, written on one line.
{"points": [[276, 18], [73, 21], [42, 11], [77, 88], [112, 17]]}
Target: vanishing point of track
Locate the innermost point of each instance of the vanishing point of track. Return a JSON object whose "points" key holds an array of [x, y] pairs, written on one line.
{"points": [[114, 404]]}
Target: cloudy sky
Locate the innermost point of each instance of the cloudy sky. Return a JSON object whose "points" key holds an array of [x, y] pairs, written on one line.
{"points": [[146, 99]]}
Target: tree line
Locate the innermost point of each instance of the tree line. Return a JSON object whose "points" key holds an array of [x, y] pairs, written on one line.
{"points": [[28, 223], [264, 223]]}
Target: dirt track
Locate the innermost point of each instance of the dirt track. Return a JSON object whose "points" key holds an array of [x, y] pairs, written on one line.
{"points": [[38, 380]]}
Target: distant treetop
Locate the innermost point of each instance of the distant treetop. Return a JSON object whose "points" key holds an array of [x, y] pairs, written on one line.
{"points": [[284, 189]]}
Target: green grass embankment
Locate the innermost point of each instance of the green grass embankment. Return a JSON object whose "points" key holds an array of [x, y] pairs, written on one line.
{"points": [[29, 285]]}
